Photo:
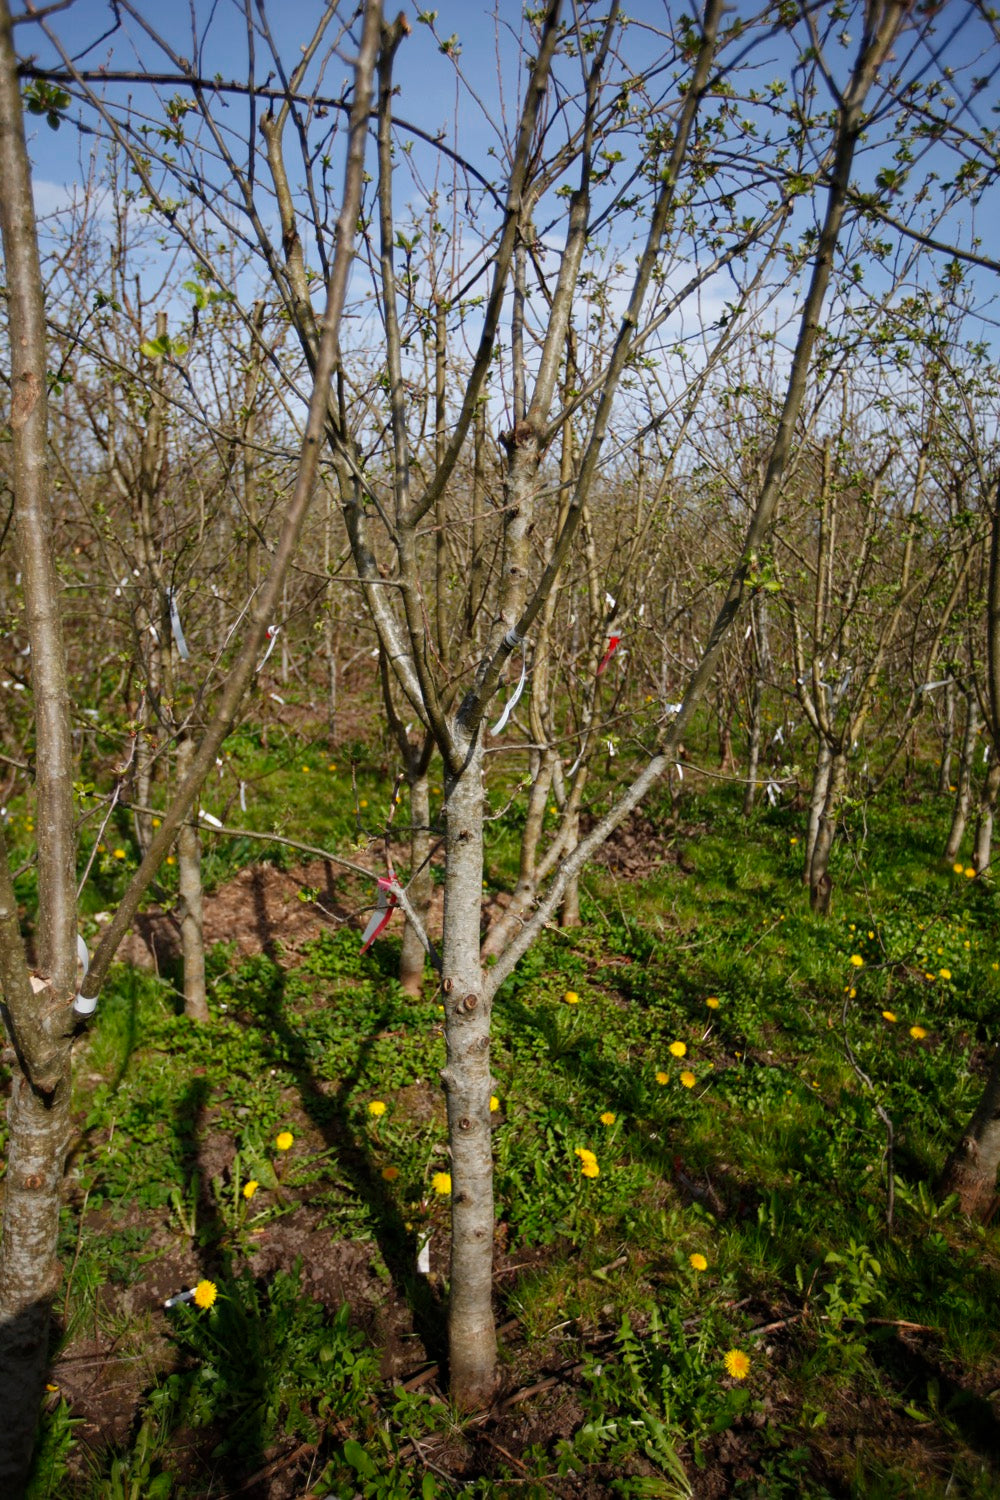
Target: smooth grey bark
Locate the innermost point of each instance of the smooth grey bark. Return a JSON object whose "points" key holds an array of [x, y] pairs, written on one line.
{"points": [[755, 698], [817, 801], [468, 1085], [963, 786], [192, 901], [985, 816], [820, 884], [947, 738]]}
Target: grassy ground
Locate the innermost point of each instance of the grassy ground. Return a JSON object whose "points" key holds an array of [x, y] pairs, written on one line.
{"points": [[703, 1096]]}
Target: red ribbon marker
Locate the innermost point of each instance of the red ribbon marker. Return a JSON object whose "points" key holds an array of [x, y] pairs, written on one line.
{"points": [[384, 908], [612, 648]]}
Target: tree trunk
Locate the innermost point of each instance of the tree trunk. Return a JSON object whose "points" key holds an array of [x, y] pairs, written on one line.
{"points": [[420, 887], [192, 901], [569, 912], [947, 738], [963, 791], [468, 1085], [985, 815], [817, 801], [971, 1169], [753, 745], [29, 1269], [820, 884]]}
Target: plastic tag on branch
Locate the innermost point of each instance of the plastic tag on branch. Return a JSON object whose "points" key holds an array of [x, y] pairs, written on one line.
{"points": [[613, 644], [270, 637], [501, 723], [424, 1256], [384, 908], [83, 1005]]}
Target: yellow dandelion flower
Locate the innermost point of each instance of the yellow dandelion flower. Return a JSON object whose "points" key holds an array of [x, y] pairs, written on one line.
{"points": [[249, 1188], [170, 860], [857, 960], [688, 1080], [712, 1002], [958, 869], [590, 1169], [156, 822], [793, 841], [494, 1104], [441, 1183], [663, 1077], [970, 873], [945, 973], [584, 1153], [119, 854], [697, 1262], [737, 1364], [376, 1107], [363, 802], [571, 997], [608, 1118], [285, 1141], [678, 1049], [331, 768], [205, 1294], [889, 1015], [389, 1174], [306, 770], [918, 1033]]}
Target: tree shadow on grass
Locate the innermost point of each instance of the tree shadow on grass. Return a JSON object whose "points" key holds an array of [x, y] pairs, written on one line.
{"points": [[330, 1114]]}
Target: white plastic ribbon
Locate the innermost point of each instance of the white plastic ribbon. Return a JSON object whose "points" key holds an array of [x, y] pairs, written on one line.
{"points": [[772, 790], [175, 626], [424, 1256], [778, 737], [271, 637], [928, 687], [243, 796], [83, 1005], [512, 701], [208, 818]]}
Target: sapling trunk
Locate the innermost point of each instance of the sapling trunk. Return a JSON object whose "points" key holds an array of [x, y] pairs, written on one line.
{"points": [[192, 902], [947, 738], [820, 884], [971, 1169], [468, 1084], [817, 801], [963, 787], [985, 815]]}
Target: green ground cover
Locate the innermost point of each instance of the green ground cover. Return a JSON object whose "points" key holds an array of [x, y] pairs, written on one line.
{"points": [[702, 1096]]}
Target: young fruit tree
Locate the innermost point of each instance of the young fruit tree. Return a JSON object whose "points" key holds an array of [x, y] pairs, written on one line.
{"points": [[625, 162], [43, 1001]]}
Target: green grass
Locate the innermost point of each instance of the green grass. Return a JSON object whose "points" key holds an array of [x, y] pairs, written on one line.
{"points": [[872, 1350]]}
